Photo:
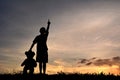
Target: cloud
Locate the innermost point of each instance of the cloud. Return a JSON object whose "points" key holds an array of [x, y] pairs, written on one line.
{"points": [[83, 61], [89, 63], [117, 58], [101, 62]]}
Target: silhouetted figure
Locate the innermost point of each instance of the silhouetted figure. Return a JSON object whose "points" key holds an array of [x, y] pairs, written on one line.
{"points": [[42, 49], [29, 63]]}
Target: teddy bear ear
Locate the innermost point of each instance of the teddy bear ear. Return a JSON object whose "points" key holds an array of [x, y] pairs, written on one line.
{"points": [[32, 53], [26, 53]]}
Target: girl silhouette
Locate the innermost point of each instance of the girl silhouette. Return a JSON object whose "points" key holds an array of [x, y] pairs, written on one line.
{"points": [[42, 49]]}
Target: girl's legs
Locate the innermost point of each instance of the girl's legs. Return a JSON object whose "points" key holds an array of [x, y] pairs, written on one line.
{"points": [[40, 67], [44, 68]]}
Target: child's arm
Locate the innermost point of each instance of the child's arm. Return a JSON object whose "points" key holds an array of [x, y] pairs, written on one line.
{"points": [[48, 25], [31, 46]]}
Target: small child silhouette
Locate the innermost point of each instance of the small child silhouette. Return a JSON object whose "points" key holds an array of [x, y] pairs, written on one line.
{"points": [[29, 63]]}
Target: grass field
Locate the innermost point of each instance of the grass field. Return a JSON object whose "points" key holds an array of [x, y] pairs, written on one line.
{"points": [[59, 76]]}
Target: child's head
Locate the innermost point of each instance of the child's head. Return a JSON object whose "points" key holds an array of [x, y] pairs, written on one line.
{"points": [[29, 54], [42, 30]]}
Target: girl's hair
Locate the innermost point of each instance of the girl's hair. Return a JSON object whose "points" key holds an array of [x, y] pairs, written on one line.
{"points": [[42, 30]]}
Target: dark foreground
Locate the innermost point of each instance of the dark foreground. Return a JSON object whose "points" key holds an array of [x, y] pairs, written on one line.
{"points": [[60, 76]]}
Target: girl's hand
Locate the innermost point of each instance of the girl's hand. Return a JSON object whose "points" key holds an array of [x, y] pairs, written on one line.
{"points": [[49, 21]]}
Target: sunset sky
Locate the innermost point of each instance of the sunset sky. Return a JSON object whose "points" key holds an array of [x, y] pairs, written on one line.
{"points": [[84, 35]]}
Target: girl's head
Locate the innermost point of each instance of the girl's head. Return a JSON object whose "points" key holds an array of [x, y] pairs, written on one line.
{"points": [[42, 30]]}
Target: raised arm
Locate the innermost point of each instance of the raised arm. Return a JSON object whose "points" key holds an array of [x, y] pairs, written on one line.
{"points": [[48, 25]]}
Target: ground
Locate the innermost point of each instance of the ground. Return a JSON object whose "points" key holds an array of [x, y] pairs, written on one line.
{"points": [[59, 76]]}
